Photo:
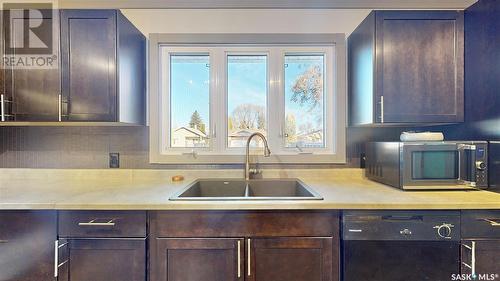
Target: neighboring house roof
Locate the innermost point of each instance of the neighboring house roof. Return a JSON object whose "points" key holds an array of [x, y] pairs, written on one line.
{"points": [[311, 134], [244, 133], [193, 131]]}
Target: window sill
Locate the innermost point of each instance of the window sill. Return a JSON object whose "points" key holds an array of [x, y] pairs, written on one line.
{"points": [[302, 158]]}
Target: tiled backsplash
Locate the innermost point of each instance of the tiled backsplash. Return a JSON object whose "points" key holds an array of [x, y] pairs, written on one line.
{"points": [[89, 147], [72, 147]]}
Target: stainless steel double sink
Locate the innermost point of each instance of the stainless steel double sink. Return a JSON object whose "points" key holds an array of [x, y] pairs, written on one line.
{"points": [[236, 189]]}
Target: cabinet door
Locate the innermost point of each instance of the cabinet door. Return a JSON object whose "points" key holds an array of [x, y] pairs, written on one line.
{"points": [[487, 257], [107, 260], [419, 66], [5, 72], [186, 259], [35, 92], [88, 51], [27, 245], [291, 259]]}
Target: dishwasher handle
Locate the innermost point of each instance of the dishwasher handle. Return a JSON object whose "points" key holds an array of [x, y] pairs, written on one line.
{"points": [[402, 218]]}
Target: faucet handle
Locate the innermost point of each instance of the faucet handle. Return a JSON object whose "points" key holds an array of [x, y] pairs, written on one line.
{"points": [[255, 171]]}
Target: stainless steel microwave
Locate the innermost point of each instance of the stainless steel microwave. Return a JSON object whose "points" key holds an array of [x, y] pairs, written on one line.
{"points": [[428, 165]]}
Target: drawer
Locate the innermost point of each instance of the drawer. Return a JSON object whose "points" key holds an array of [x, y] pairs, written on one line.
{"points": [[102, 224], [480, 224], [180, 224]]}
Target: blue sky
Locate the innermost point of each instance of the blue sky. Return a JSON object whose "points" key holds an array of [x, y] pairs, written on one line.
{"points": [[246, 83], [294, 67]]}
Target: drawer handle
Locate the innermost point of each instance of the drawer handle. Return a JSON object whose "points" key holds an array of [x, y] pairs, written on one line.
{"points": [[63, 263], [492, 222], [239, 259], [473, 257], [4, 241], [472, 265], [249, 256], [56, 258], [94, 223]]}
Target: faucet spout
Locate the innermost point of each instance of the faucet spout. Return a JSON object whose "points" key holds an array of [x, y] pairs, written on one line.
{"points": [[267, 152]]}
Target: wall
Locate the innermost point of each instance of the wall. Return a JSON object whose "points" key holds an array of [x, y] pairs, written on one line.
{"points": [[245, 21], [88, 147], [85, 147]]}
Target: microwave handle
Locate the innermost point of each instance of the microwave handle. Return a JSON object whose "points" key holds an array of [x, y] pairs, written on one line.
{"points": [[461, 148]]}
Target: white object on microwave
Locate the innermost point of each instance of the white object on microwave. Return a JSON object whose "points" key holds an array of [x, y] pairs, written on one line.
{"points": [[422, 136]]}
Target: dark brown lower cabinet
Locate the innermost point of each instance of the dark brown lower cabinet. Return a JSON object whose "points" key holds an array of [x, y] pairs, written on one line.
{"points": [[481, 258], [290, 259], [113, 259], [252, 259], [244, 246], [27, 245], [185, 259]]}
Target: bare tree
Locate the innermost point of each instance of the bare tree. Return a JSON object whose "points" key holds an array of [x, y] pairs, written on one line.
{"points": [[308, 87], [290, 128], [306, 128], [248, 116]]}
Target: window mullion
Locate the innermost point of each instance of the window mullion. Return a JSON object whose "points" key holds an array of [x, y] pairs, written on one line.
{"points": [[219, 101], [275, 107]]}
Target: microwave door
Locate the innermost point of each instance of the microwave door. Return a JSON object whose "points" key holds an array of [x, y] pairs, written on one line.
{"points": [[431, 166], [466, 164]]}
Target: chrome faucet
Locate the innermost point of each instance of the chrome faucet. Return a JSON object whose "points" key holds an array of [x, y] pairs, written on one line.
{"points": [[267, 152]]}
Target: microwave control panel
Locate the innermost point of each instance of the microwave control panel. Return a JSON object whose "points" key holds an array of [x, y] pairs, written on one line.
{"points": [[481, 165]]}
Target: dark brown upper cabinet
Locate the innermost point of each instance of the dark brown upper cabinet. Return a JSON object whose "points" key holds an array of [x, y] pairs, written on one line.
{"points": [[407, 67], [100, 73], [103, 67], [32, 94]]}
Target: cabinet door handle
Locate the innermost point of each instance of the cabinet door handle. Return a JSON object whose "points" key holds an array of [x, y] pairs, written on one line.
{"points": [[239, 259], [94, 223], [2, 103], [492, 222], [56, 258], [381, 109], [59, 108], [249, 256], [473, 258]]}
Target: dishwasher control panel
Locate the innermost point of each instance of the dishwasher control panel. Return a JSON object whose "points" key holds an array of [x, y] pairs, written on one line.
{"points": [[401, 225]]}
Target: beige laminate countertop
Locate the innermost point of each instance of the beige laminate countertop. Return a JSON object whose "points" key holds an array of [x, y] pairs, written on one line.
{"points": [[151, 189]]}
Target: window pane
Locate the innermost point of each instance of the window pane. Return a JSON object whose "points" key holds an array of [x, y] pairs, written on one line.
{"points": [[246, 98], [304, 101], [189, 100]]}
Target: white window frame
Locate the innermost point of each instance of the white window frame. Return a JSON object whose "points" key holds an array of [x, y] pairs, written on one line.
{"points": [[218, 48]]}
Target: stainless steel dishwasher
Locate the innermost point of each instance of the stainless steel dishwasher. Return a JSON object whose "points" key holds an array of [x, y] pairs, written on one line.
{"points": [[400, 245]]}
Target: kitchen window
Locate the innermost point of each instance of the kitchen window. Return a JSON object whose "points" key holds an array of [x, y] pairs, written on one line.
{"points": [[189, 100], [206, 99]]}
